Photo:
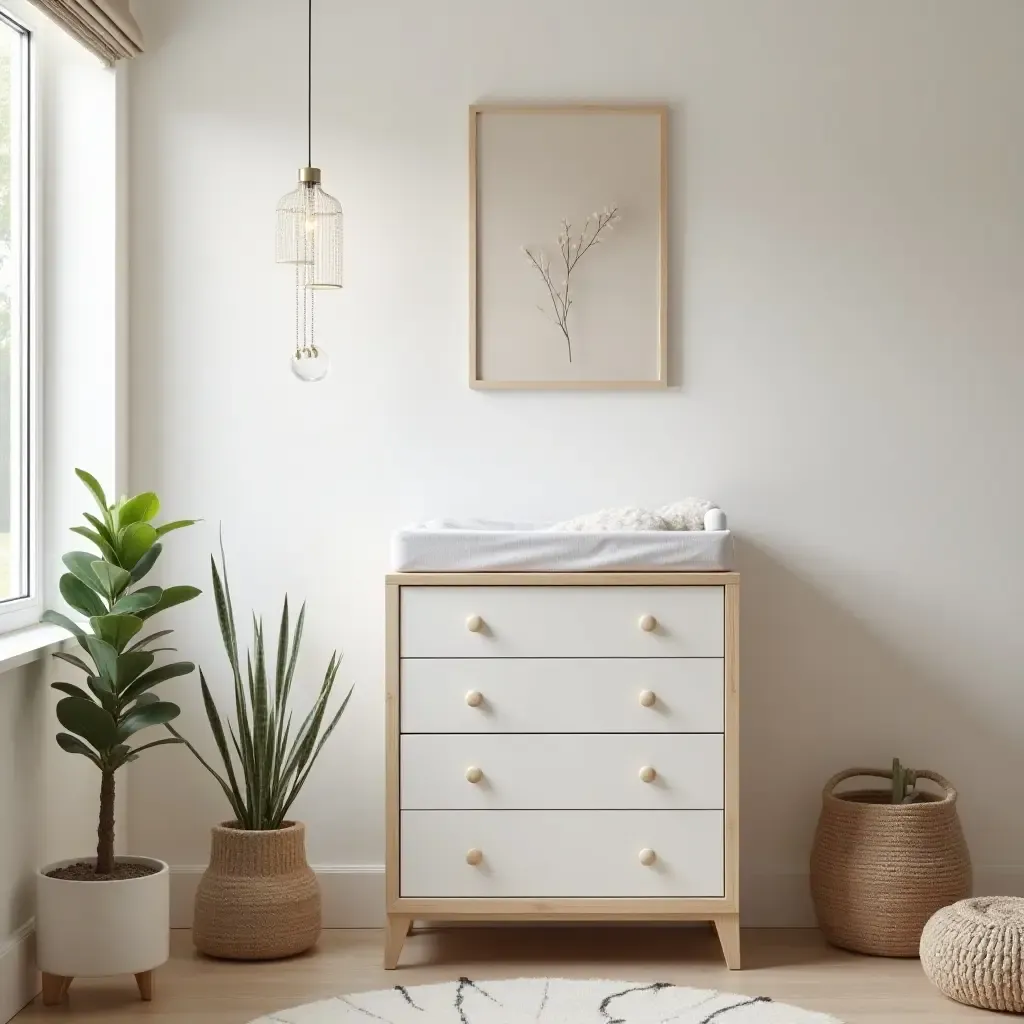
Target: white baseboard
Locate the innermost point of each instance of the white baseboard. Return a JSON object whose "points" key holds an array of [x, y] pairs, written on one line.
{"points": [[19, 980], [353, 894]]}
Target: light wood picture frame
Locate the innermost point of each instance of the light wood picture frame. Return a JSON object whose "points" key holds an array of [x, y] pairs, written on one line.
{"points": [[531, 168]]}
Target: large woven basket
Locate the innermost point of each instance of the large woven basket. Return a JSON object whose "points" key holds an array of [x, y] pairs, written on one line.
{"points": [[259, 898], [879, 870]]}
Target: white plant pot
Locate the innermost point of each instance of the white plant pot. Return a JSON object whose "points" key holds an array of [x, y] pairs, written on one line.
{"points": [[93, 929]]}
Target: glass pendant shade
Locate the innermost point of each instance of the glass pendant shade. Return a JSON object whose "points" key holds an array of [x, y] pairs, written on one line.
{"points": [[309, 231], [310, 364]]}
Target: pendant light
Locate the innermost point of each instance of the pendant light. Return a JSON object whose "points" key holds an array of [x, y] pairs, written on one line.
{"points": [[309, 236]]}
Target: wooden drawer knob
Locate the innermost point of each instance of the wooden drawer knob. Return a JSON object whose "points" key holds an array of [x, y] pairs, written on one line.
{"points": [[474, 775], [648, 623], [474, 698], [474, 624], [647, 857], [648, 698], [647, 774], [474, 857]]}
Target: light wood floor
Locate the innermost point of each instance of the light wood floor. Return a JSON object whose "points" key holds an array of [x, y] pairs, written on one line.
{"points": [[792, 966]]}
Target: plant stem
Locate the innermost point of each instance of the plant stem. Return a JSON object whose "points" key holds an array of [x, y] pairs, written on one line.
{"points": [[105, 832]]}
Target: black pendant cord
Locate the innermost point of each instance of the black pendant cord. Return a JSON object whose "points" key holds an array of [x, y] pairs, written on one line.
{"points": [[309, 89]]}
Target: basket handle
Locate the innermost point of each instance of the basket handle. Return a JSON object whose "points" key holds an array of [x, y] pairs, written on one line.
{"points": [[883, 773]]}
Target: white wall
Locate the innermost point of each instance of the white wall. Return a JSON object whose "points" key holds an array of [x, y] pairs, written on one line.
{"points": [[847, 213]]}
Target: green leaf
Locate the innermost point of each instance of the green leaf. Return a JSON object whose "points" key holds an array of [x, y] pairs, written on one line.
{"points": [[112, 578], [80, 563], [178, 524], [72, 659], [101, 528], [294, 660], [300, 781], [158, 675], [137, 601], [71, 690], [158, 713], [64, 622], [130, 666], [282, 657], [146, 698], [103, 692], [147, 640], [73, 745], [140, 509], [157, 743], [116, 630], [146, 562], [105, 549], [120, 755], [170, 597], [133, 542], [84, 600], [86, 719], [94, 487], [105, 658]]}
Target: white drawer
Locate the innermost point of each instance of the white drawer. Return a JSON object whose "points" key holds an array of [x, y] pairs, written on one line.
{"points": [[577, 854], [568, 771], [562, 695], [566, 622]]}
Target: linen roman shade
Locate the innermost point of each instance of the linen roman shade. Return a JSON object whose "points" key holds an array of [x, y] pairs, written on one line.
{"points": [[104, 26]]}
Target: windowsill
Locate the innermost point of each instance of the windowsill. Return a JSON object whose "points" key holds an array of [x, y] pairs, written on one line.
{"points": [[22, 646]]}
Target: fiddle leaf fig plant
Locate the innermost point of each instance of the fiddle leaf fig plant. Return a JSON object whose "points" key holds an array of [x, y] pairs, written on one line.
{"points": [[119, 664]]}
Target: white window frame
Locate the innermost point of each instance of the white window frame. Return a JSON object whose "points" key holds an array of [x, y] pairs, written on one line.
{"points": [[19, 612]]}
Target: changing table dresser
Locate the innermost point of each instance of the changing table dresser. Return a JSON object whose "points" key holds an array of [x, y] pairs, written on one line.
{"points": [[563, 747]]}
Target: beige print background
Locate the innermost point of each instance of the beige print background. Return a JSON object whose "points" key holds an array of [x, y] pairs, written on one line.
{"points": [[533, 169]]}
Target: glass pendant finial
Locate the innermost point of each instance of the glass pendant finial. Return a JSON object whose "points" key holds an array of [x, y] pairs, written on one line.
{"points": [[310, 364]]}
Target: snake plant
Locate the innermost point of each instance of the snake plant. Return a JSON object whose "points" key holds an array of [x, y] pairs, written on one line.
{"points": [[104, 588], [267, 762]]}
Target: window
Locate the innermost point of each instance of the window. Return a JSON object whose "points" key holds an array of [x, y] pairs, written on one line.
{"points": [[17, 411]]}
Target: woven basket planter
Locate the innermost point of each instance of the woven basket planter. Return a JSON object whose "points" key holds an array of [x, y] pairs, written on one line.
{"points": [[258, 899], [879, 870]]}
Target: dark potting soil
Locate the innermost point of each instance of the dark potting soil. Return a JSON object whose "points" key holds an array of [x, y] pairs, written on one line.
{"points": [[83, 871]]}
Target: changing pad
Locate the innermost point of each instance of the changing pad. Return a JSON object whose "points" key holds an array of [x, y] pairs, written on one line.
{"points": [[488, 546]]}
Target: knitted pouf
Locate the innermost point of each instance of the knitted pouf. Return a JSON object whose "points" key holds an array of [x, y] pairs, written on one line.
{"points": [[972, 950]]}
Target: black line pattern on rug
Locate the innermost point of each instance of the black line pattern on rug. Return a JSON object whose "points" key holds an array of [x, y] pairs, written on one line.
{"points": [[544, 999], [606, 1002], [690, 1008], [460, 996], [735, 1006], [404, 993], [369, 1013]]}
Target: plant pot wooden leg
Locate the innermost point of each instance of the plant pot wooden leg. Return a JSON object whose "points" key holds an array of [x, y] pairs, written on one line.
{"points": [[728, 928], [145, 983], [395, 932], [55, 988]]}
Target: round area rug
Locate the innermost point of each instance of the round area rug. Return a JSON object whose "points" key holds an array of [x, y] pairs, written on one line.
{"points": [[546, 1001]]}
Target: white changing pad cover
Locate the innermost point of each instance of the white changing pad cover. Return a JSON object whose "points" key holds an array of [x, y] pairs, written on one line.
{"points": [[491, 546]]}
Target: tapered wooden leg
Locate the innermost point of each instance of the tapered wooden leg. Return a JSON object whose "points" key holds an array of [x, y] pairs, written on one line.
{"points": [[394, 938], [728, 928], [55, 988], [145, 983]]}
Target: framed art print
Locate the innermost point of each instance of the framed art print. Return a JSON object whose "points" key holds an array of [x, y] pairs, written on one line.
{"points": [[568, 246]]}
